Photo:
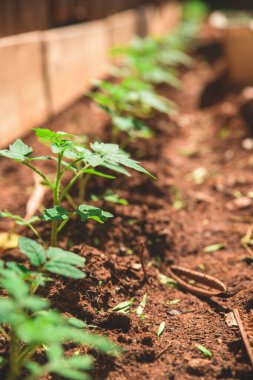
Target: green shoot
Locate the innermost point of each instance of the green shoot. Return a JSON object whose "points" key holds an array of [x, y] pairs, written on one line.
{"points": [[69, 157], [161, 329], [142, 305], [204, 350], [214, 247], [128, 103], [27, 324], [124, 307]]}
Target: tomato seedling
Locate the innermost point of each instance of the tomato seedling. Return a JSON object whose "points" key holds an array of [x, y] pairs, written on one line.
{"points": [[69, 157], [28, 324]]}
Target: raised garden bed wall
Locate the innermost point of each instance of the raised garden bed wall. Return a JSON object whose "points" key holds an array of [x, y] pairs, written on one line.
{"points": [[23, 100], [41, 73], [22, 16]]}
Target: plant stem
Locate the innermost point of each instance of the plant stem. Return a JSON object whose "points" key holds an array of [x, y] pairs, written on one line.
{"points": [[71, 201], [71, 183], [36, 233], [47, 180], [82, 187], [56, 191], [67, 167], [27, 353], [14, 364], [60, 227]]}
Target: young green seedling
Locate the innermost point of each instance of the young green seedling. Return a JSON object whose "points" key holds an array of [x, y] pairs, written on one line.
{"points": [[155, 50], [128, 103], [80, 161], [28, 324]]}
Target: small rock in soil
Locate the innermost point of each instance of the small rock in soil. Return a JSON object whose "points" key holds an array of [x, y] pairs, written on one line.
{"points": [[230, 319], [239, 203], [174, 312]]}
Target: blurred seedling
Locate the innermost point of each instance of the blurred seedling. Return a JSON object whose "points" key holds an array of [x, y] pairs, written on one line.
{"points": [[110, 197], [124, 307], [28, 325], [165, 280], [128, 104]]}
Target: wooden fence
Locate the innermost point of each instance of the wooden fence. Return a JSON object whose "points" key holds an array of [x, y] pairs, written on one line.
{"points": [[20, 16]]}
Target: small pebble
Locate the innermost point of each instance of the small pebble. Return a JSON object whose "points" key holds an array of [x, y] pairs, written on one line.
{"points": [[247, 143]]}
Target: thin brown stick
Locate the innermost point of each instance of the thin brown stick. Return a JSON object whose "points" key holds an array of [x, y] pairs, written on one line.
{"points": [[163, 351], [141, 255], [244, 335], [175, 271]]}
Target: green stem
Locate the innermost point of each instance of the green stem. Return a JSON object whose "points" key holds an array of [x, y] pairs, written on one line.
{"points": [[56, 190], [67, 167], [83, 186], [71, 201], [114, 134], [27, 353], [14, 369], [36, 233], [60, 227], [47, 180], [71, 183]]}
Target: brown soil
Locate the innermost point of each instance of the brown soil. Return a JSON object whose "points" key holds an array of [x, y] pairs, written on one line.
{"points": [[207, 138]]}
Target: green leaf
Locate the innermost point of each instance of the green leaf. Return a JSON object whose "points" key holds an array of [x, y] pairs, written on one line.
{"points": [[40, 158], [91, 212], [123, 305], [100, 343], [116, 168], [204, 350], [64, 263], [111, 153], [34, 303], [15, 286], [161, 329], [32, 250], [49, 135], [7, 310], [114, 198], [17, 151], [58, 254], [55, 213], [70, 373], [99, 174], [77, 323], [214, 247]]}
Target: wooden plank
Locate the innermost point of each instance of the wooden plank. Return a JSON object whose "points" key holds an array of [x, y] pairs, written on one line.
{"points": [[22, 98], [170, 13], [74, 56], [122, 27]]}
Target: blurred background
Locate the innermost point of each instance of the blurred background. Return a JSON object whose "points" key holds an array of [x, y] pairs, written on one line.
{"points": [[51, 49], [20, 16]]}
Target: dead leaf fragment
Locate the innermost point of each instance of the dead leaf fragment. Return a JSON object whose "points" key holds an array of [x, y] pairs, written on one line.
{"points": [[230, 319], [8, 241]]}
